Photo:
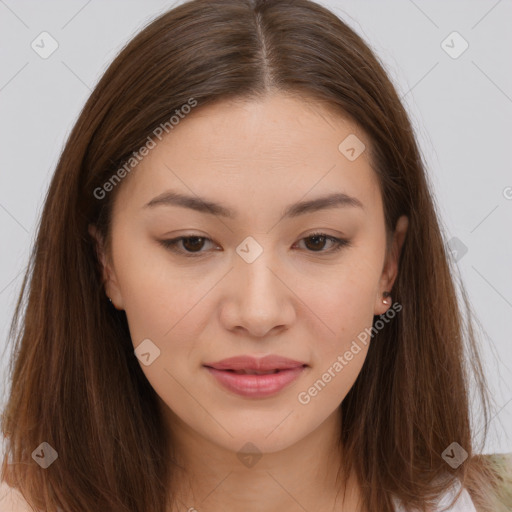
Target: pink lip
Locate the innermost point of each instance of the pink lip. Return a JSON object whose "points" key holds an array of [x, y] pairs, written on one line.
{"points": [[256, 386]]}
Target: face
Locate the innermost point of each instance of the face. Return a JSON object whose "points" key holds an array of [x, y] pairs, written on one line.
{"points": [[267, 279]]}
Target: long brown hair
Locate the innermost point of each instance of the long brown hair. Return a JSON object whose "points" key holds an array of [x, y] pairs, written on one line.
{"points": [[76, 383]]}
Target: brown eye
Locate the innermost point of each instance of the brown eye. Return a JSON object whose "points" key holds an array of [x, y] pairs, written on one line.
{"points": [[192, 245], [316, 243]]}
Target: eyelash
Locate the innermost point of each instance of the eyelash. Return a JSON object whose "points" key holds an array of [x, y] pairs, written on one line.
{"points": [[340, 243]]}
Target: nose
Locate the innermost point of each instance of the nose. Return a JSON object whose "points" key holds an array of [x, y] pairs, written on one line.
{"points": [[261, 300]]}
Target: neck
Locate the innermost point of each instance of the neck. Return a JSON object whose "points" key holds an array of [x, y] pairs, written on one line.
{"points": [[301, 476]]}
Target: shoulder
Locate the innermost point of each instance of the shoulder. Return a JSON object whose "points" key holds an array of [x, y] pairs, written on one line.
{"points": [[500, 496], [502, 465], [502, 462], [464, 502], [11, 500]]}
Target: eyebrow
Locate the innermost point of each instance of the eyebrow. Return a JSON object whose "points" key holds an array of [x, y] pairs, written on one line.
{"points": [[203, 205]]}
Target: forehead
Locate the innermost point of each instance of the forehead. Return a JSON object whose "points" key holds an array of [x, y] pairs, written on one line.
{"points": [[275, 150]]}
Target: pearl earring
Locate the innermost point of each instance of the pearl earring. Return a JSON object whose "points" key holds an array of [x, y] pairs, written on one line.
{"points": [[385, 301]]}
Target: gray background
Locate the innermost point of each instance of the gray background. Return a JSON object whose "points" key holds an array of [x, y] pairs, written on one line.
{"points": [[461, 109]]}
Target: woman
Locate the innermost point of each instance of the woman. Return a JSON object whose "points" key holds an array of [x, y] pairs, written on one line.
{"points": [[239, 295]]}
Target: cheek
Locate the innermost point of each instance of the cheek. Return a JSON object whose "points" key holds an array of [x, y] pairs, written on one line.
{"points": [[345, 307], [154, 297], [161, 308], [341, 300], [339, 355]]}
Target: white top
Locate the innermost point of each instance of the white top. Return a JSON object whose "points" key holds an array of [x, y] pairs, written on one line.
{"points": [[463, 504]]}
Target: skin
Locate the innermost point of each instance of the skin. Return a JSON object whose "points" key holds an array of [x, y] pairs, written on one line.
{"points": [[297, 299]]}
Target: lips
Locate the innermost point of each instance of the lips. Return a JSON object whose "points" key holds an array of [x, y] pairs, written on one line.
{"points": [[255, 378]]}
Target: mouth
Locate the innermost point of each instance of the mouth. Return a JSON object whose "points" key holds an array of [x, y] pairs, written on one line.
{"points": [[251, 383]]}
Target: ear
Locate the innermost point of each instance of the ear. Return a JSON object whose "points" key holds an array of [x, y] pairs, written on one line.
{"points": [[390, 270], [108, 274]]}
